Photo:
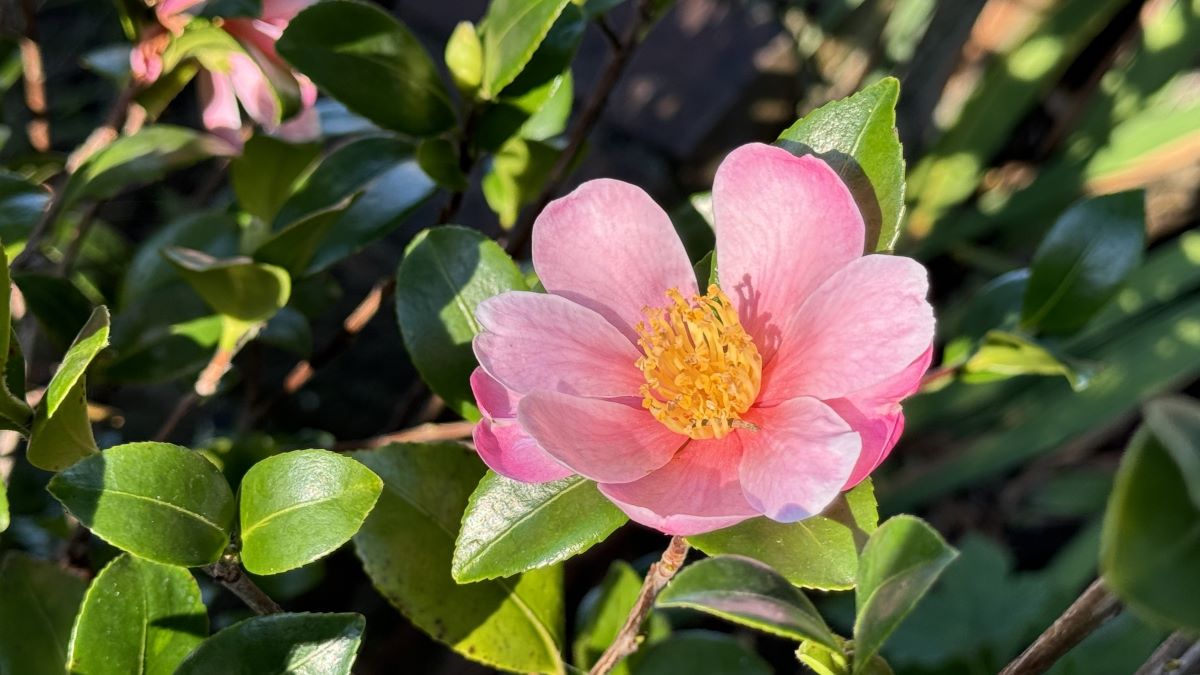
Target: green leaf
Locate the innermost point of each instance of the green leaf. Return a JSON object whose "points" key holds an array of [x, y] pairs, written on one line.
{"points": [[293, 248], [389, 185], [699, 652], [602, 613], [236, 287], [38, 601], [58, 442], [997, 304], [407, 544], [518, 172], [1083, 261], [464, 58], [445, 274], [1004, 354], [91, 339], [155, 500], [61, 433], [57, 303], [857, 137], [21, 205], [14, 411], [137, 617], [438, 158], [749, 593], [168, 352], [4, 516], [394, 83], [819, 552], [511, 527], [511, 33], [215, 233], [299, 506], [1151, 537], [265, 174], [899, 564], [141, 158], [298, 644]]}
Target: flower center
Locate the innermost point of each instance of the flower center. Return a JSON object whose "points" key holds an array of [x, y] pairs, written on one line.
{"points": [[702, 369]]}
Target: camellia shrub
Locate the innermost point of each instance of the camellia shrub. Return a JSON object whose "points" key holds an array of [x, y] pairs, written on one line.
{"points": [[730, 437]]}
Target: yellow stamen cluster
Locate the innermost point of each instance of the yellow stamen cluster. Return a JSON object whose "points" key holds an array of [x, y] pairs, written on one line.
{"points": [[702, 369]]}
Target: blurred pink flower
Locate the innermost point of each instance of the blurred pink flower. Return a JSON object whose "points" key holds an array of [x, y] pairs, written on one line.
{"points": [[695, 412], [249, 77]]}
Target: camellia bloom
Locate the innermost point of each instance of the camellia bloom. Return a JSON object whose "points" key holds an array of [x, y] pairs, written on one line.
{"points": [[257, 76], [767, 395]]}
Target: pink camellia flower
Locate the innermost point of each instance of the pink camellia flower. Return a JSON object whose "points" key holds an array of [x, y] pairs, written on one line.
{"points": [[254, 77], [768, 395]]}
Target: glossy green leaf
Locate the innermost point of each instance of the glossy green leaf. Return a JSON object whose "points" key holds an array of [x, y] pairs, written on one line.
{"points": [[997, 304], [265, 174], [603, 612], [511, 527], [330, 39], [1151, 537], [298, 644], [699, 652], [215, 233], [438, 158], [900, 562], [167, 353], [236, 287], [818, 552], [1083, 261], [299, 506], [747, 592], [61, 433], [511, 32], [141, 158], [155, 500], [21, 205], [407, 544], [4, 515], [58, 442], [445, 273], [518, 172], [38, 601], [137, 617], [857, 137], [381, 171], [464, 58], [91, 339], [293, 248], [1004, 354]]}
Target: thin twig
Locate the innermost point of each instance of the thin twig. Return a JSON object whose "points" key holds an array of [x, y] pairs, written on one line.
{"points": [[34, 75], [1175, 655], [107, 132], [1089, 611], [86, 220], [182, 407], [229, 573], [423, 433], [519, 238], [629, 638]]}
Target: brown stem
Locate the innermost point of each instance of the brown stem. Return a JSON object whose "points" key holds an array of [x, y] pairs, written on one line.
{"points": [[229, 573], [1089, 611], [629, 638], [34, 75], [182, 407], [622, 51], [424, 433], [86, 220], [1178, 654]]}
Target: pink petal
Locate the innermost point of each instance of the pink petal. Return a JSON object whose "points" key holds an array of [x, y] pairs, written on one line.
{"points": [[798, 460], [876, 415], [696, 492], [539, 341], [865, 324], [283, 11], [495, 400], [512, 453], [302, 127], [606, 441], [609, 247], [253, 90], [220, 114], [784, 224]]}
